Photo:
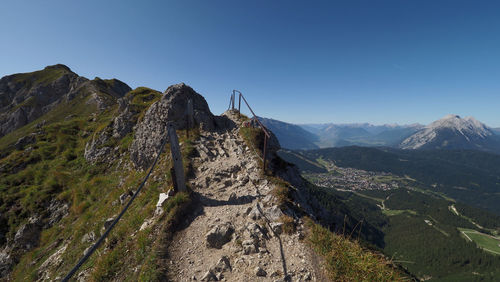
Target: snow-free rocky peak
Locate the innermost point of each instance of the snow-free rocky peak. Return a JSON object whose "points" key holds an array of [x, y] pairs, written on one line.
{"points": [[451, 132], [467, 125]]}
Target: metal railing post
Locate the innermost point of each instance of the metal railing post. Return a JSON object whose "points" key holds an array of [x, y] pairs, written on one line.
{"points": [[233, 97], [266, 133], [239, 105], [265, 153]]}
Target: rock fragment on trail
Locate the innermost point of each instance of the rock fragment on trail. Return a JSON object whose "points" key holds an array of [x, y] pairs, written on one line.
{"points": [[219, 235]]}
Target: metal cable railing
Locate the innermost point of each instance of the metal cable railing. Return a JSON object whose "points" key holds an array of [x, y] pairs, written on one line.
{"points": [[267, 135]]}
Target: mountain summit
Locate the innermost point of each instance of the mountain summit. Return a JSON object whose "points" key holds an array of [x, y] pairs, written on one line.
{"points": [[453, 132]]}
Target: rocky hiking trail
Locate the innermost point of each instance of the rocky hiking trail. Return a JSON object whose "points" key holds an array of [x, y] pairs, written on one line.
{"points": [[236, 234]]}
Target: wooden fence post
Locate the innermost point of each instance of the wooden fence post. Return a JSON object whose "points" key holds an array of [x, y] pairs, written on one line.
{"points": [[176, 158], [190, 118]]}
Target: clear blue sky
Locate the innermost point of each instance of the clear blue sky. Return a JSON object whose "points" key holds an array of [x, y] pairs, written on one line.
{"points": [[306, 61]]}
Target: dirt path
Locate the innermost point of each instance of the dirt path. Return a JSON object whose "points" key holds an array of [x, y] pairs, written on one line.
{"points": [[455, 211], [231, 235]]}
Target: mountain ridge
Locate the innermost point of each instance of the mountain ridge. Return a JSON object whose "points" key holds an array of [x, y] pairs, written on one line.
{"points": [[335, 135], [66, 174]]}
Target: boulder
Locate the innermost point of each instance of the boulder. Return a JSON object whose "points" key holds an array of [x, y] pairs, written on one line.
{"points": [[209, 276], [23, 141], [255, 213], [123, 197], [256, 231], [108, 223], [219, 235], [28, 235], [273, 213], [259, 271], [222, 265], [89, 237], [53, 261], [87, 250], [249, 247], [277, 227]]}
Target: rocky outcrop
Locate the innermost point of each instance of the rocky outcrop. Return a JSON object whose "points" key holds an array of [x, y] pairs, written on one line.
{"points": [[99, 149], [25, 140], [171, 108], [112, 89], [6, 262], [27, 235], [57, 210], [25, 97]]}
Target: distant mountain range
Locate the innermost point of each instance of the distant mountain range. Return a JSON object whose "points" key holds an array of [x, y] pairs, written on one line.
{"points": [[311, 136], [450, 132]]}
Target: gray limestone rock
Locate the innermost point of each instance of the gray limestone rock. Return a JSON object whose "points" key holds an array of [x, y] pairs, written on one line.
{"points": [[249, 247], [222, 265], [108, 223], [23, 141], [96, 150], [277, 227], [89, 237], [6, 263], [255, 213], [259, 271], [57, 210], [28, 235], [219, 235], [273, 213], [171, 108], [209, 276]]}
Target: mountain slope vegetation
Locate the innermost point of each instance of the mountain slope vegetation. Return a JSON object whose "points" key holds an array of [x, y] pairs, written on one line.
{"points": [[68, 170]]}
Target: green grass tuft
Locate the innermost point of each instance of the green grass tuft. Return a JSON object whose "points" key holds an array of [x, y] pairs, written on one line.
{"points": [[346, 260]]}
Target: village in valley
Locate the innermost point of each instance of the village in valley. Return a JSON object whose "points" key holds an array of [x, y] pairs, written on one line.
{"points": [[350, 179]]}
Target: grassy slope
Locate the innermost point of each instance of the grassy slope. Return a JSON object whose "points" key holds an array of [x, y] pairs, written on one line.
{"points": [[346, 260], [56, 169]]}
